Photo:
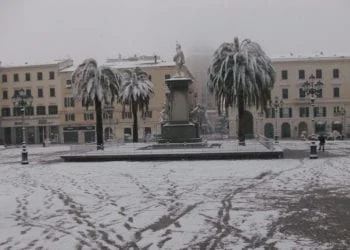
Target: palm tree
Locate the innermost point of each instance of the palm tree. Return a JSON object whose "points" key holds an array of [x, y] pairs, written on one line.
{"points": [[136, 91], [242, 75], [95, 85]]}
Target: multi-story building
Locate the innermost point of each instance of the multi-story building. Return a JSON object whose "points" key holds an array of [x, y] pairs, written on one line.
{"points": [[55, 114], [295, 116], [78, 123], [42, 118]]}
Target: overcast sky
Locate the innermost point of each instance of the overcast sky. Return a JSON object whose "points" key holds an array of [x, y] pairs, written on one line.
{"points": [[43, 30]]}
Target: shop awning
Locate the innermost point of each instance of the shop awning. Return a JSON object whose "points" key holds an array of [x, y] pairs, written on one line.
{"points": [[336, 122], [320, 122]]}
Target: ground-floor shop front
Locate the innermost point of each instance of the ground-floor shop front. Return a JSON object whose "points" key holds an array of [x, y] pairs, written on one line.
{"points": [[80, 134], [34, 131], [32, 134]]}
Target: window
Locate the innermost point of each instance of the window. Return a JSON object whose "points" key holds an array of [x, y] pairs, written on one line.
{"points": [[5, 112], [148, 132], [70, 117], [88, 116], [107, 114], [29, 110], [284, 74], [320, 111], [52, 92], [319, 93], [335, 73], [127, 131], [167, 76], [301, 74], [285, 93], [40, 92], [150, 77], [270, 113], [5, 95], [40, 110], [39, 76], [147, 114], [68, 84], [302, 93], [15, 77], [126, 115], [17, 111], [69, 102], [285, 112], [4, 78], [336, 111], [336, 92], [304, 112], [318, 73], [28, 92], [27, 77], [53, 110], [51, 75]]}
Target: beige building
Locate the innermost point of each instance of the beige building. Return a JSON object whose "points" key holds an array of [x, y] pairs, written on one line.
{"points": [[55, 114], [42, 82], [78, 124], [295, 115]]}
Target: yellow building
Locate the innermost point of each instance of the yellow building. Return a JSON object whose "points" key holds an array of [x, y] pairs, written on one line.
{"points": [[78, 124], [295, 115], [56, 115], [41, 119]]}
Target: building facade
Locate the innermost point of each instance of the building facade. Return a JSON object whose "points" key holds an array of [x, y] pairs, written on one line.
{"points": [[55, 114], [295, 117], [78, 123], [41, 119]]}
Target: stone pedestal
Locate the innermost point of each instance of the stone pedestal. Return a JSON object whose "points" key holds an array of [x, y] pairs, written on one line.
{"points": [[178, 128]]}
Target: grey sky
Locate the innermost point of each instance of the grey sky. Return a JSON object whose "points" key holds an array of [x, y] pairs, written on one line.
{"points": [[43, 30]]}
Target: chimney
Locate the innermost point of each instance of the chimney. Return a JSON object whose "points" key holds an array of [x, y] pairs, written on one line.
{"points": [[155, 59]]}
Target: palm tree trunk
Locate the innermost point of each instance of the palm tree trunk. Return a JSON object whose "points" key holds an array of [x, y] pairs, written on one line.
{"points": [[135, 134], [99, 126], [241, 137]]}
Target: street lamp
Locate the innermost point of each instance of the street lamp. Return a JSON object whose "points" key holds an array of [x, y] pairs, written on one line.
{"points": [[313, 90], [108, 114], [276, 104], [259, 122], [22, 100], [342, 112]]}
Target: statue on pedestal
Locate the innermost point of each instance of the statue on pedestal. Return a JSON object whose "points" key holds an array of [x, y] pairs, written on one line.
{"points": [[179, 59]]}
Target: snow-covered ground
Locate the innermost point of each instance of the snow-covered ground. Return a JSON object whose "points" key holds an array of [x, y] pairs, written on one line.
{"points": [[228, 204]]}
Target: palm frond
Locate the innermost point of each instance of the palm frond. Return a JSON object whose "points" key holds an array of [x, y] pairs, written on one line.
{"points": [[91, 81], [241, 68], [136, 88]]}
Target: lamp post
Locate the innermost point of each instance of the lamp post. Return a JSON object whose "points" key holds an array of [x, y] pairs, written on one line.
{"points": [[276, 104], [21, 100], [108, 111], [342, 112], [313, 90], [260, 119]]}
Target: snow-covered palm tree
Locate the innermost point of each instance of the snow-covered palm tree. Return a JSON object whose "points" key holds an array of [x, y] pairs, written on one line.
{"points": [[136, 91], [96, 85], [241, 74]]}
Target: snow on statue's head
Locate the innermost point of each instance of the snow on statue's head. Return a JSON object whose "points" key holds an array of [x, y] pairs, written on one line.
{"points": [[178, 46]]}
